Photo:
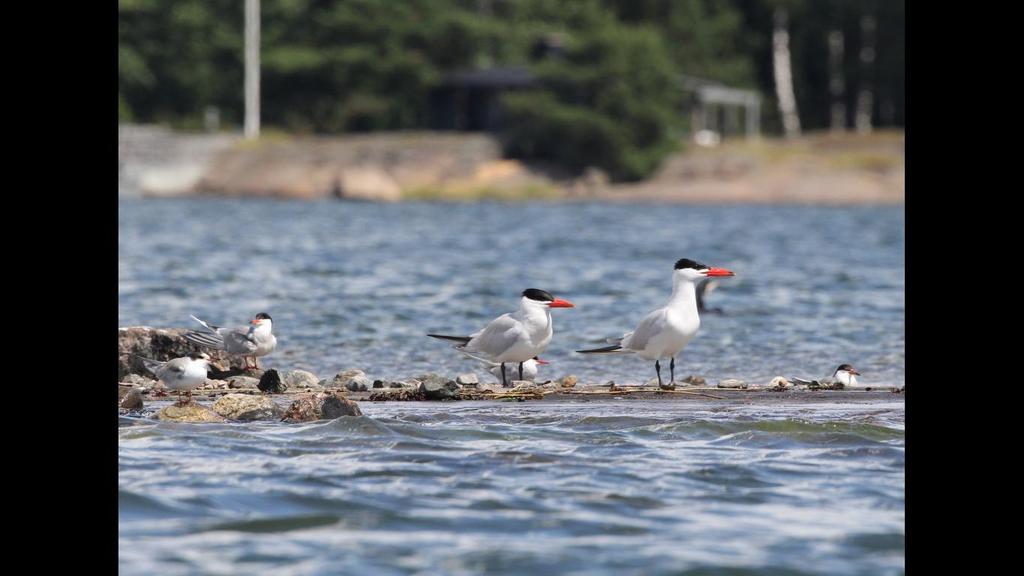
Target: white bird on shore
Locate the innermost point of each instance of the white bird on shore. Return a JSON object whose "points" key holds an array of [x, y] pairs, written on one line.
{"points": [[529, 369], [253, 341], [515, 337], [666, 331], [180, 374], [844, 374]]}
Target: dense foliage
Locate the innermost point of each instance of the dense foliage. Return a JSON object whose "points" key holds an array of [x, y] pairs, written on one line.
{"points": [[611, 99]]}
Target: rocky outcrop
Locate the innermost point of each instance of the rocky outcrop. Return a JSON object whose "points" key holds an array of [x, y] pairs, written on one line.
{"points": [[435, 387], [732, 383], [354, 380], [158, 344], [247, 407], [301, 380], [367, 184], [129, 398], [321, 406], [189, 412]]}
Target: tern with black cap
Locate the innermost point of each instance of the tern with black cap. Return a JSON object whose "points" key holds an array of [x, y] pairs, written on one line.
{"points": [[180, 374], [254, 340], [666, 331], [515, 337], [844, 374]]}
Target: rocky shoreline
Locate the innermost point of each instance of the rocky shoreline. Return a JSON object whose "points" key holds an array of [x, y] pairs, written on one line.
{"points": [[301, 396]]}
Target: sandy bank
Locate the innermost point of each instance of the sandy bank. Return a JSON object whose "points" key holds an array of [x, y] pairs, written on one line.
{"points": [[818, 168]]}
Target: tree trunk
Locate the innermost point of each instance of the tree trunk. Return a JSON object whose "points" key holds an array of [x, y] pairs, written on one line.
{"points": [[782, 65], [837, 80], [866, 94]]}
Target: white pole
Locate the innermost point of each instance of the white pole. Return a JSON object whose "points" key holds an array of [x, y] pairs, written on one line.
{"points": [[252, 68]]}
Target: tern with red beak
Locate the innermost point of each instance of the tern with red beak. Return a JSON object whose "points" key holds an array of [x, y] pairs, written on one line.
{"points": [[515, 337], [667, 330], [252, 341]]}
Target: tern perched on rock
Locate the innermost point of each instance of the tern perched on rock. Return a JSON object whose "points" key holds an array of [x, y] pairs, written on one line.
{"points": [[252, 341], [666, 331], [845, 375], [515, 337], [180, 374]]}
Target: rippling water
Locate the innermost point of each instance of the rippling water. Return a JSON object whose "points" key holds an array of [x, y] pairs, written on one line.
{"points": [[622, 486], [618, 487], [358, 285]]}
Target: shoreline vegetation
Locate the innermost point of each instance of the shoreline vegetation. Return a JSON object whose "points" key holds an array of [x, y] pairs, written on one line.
{"points": [[844, 168]]}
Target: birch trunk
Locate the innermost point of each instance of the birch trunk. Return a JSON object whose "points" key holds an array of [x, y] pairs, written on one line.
{"points": [[782, 65], [866, 94]]}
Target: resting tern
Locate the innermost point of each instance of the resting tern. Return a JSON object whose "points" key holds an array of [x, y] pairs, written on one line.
{"points": [[844, 374], [514, 337], [666, 331], [180, 374], [253, 341]]}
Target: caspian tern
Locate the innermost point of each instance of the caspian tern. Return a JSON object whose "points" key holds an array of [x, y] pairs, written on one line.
{"points": [[666, 331], [515, 337], [180, 374], [253, 341], [844, 374]]}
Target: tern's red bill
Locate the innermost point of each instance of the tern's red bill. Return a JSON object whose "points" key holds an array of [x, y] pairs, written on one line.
{"points": [[719, 272], [559, 303]]}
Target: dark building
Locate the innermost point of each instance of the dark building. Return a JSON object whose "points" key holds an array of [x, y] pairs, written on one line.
{"points": [[469, 99]]}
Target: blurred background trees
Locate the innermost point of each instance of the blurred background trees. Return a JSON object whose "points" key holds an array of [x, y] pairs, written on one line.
{"points": [[610, 95]]}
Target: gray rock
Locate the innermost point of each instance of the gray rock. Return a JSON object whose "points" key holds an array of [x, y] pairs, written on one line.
{"points": [[403, 385], [359, 383], [694, 380], [324, 405], [301, 380], [215, 385], [341, 379], [521, 386], [138, 381], [568, 381], [378, 383], [247, 407], [468, 379], [435, 387], [189, 412], [243, 382], [732, 383], [780, 383], [129, 398]]}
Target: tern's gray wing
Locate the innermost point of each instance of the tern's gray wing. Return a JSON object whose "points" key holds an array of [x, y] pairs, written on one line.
{"points": [[497, 336], [153, 366], [166, 370], [803, 381], [648, 328], [238, 340]]}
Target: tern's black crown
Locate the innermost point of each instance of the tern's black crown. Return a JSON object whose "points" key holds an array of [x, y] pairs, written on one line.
{"points": [[846, 367], [687, 263], [538, 295], [264, 316]]}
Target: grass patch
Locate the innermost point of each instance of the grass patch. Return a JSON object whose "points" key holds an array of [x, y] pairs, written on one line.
{"points": [[474, 192]]}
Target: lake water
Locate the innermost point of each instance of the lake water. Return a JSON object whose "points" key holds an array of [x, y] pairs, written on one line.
{"points": [[611, 487]]}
